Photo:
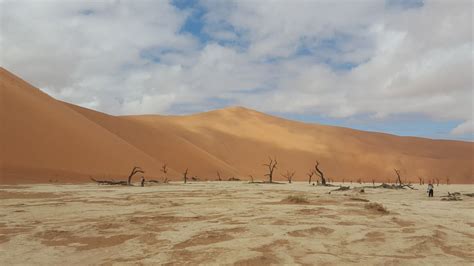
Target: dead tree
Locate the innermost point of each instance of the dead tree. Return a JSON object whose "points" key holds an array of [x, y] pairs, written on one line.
{"points": [[319, 173], [399, 179], [271, 168], [289, 176], [251, 178], [135, 170], [219, 176], [164, 170], [310, 175], [185, 176]]}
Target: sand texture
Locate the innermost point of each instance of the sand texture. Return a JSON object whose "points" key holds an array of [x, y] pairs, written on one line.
{"points": [[233, 223]]}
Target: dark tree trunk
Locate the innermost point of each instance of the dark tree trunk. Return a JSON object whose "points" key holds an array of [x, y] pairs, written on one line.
{"points": [[271, 168], [320, 173], [185, 176]]}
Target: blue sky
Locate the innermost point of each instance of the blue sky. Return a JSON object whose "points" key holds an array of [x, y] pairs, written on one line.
{"points": [[396, 66]]}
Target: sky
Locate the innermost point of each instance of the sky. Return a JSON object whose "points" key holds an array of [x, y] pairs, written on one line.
{"points": [[398, 66]]}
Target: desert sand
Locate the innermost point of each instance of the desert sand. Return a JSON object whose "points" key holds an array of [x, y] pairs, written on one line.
{"points": [[233, 223], [45, 140]]}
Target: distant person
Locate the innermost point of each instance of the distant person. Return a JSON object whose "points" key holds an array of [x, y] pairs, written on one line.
{"points": [[143, 181], [430, 190]]}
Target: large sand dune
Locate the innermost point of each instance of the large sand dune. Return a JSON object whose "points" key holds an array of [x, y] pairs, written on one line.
{"points": [[44, 139]]}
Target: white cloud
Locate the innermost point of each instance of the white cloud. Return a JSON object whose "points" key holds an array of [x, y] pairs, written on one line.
{"points": [[130, 57], [464, 128]]}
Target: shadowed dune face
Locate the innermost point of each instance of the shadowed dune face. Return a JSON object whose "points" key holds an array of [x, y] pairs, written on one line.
{"points": [[43, 140]]}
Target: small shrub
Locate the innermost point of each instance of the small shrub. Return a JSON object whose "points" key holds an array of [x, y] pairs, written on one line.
{"points": [[296, 199], [374, 206]]}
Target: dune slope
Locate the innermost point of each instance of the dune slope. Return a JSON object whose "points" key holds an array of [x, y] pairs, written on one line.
{"points": [[245, 138], [42, 139], [45, 139]]}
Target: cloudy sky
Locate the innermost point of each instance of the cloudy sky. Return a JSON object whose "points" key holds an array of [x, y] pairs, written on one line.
{"points": [[397, 66]]}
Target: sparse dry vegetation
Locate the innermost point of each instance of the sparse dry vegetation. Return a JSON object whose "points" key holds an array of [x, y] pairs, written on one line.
{"points": [[377, 207], [297, 199]]}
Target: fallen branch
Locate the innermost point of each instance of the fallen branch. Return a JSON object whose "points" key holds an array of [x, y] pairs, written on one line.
{"points": [[110, 182], [456, 196], [393, 186], [341, 188]]}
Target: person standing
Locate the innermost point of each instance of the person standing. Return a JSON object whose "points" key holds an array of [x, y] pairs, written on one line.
{"points": [[143, 181], [430, 190]]}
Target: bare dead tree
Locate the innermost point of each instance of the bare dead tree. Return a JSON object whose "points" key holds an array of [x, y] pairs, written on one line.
{"points": [[134, 171], [319, 173], [251, 178], [272, 165], [185, 176], [164, 170], [310, 175], [399, 179], [219, 176], [289, 176]]}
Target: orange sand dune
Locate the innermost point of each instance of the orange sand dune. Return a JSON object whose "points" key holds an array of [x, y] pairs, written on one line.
{"points": [[44, 139]]}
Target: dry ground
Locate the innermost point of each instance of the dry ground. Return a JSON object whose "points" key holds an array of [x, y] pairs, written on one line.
{"points": [[232, 223]]}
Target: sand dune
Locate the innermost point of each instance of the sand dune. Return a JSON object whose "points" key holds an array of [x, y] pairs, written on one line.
{"points": [[44, 139]]}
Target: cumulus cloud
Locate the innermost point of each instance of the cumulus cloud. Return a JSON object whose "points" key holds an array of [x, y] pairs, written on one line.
{"points": [[331, 58], [464, 128]]}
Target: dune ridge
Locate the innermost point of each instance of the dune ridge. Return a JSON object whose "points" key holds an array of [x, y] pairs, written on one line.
{"points": [[43, 139]]}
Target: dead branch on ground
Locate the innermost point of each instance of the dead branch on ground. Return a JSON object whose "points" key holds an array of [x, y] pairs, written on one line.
{"points": [[109, 182]]}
